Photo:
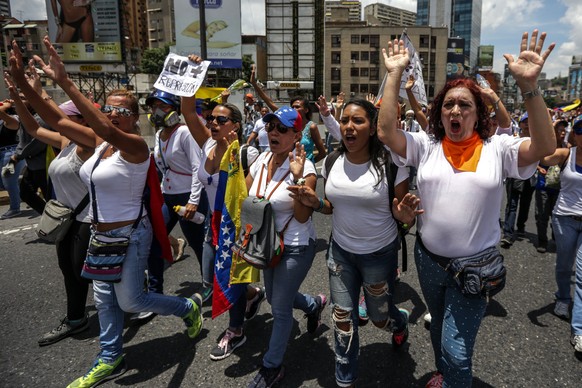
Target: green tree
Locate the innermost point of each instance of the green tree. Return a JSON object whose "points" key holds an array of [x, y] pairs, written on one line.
{"points": [[152, 61]]}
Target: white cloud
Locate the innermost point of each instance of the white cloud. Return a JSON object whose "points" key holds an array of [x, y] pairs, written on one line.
{"points": [[31, 9], [500, 13]]}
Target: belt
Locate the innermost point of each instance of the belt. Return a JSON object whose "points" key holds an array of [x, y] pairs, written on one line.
{"points": [[577, 218]]}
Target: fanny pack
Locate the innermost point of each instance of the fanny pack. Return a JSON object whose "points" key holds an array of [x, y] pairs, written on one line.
{"points": [[57, 218], [477, 276]]}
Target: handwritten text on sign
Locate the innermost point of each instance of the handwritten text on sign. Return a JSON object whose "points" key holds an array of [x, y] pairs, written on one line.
{"points": [[181, 76]]}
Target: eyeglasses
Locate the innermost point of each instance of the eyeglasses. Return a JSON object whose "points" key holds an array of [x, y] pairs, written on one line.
{"points": [[219, 119], [280, 128], [124, 112]]}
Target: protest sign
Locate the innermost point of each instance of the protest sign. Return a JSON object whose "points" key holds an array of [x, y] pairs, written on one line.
{"points": [[181, 76]]}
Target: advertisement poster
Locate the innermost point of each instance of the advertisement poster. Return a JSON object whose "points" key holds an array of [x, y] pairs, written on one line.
{"points": [[85, 30], [223, 31]]}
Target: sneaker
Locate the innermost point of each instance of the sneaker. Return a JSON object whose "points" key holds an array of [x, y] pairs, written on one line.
{"points": [[427, 318], [363, 312], [206, 294], [562, 309], [100, 373], [179, 249], [576, 341], [144, 315], [399, 337], [254, 304], [541, 249], [506, 242], [10, 214], [64, 330], [314, 318], [267, 377], [228, 343], [193, 319], [436, 381]]}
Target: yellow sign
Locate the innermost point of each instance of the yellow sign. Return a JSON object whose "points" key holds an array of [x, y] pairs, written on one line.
{"points": [[90, 68]]}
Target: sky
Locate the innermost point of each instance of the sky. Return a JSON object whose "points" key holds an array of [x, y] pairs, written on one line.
{"points": [[503, 22]]}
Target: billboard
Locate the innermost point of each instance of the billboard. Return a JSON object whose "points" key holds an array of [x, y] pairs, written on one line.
{"points": [[455, 58], [223, 31], [485, 57], [85, 30]]}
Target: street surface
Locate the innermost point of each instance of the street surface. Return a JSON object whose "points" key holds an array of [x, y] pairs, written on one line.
{"points": [[520, 343]]}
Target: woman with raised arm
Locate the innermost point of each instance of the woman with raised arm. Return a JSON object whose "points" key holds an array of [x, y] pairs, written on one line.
{"points": [[117, 172], [66, 184], [223, 126], [461, 170]]}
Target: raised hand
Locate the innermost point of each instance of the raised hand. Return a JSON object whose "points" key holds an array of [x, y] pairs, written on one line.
{"points": [[297, 161], [409, 82], [528, 66], [195, 58], [340, 100], [55, 69], [406, 210], [33, 78], [16, 64], [371, 97], [321, 104], [396, 57]]}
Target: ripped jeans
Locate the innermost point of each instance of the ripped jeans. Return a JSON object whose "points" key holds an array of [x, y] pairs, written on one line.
{"points": [[347, 273]]}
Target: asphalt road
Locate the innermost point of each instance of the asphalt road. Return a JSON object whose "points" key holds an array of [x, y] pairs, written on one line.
{"points": [[520, 343]]}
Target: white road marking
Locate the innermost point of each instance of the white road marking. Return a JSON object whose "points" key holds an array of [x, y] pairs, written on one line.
{"points": [[11, 231]]}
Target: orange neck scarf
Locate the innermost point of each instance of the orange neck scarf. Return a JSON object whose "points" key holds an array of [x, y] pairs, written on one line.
{"points": [[463, 155]]}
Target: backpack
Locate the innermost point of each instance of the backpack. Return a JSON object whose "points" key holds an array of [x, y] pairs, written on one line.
{"points": [[390, 171], [259, 243]]}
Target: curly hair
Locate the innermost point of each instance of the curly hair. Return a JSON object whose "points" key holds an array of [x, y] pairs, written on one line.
{"points": [[483, 122], [378, 154]]}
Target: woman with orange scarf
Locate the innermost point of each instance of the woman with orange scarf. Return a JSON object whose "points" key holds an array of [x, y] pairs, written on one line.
{"points": [[460, 182]]}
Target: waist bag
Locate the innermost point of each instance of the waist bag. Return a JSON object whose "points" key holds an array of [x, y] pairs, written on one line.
{"points": [[481, 275], [57, 218]]}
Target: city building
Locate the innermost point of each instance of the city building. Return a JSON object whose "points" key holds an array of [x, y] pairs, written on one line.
{"points": [[574, 90], [354, 64], [461, 17], [5, 8], [379, 13], [343, 10], [160, 22]]}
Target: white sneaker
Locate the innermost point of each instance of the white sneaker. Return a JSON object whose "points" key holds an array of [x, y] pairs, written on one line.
{"points": [[427, 318], [576, 341], [562, 310], [141, 316]]}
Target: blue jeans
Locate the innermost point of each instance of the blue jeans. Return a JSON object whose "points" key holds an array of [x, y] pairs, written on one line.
{"points": [[10, 182], [568, 233], [112, 299], [455, 320], [517, 197], [194, 234], [348, 272], [282, 287]]}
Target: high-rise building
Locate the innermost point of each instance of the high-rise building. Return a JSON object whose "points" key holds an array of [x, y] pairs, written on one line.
{"points": [[5, 8], [388, 15], [350, 11], [462, 17]]}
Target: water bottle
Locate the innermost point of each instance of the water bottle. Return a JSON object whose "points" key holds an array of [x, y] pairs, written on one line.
{"points": [[482, 81], [197, 219]]}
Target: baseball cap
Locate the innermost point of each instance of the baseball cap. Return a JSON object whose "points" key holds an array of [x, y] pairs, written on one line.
{"points": [[410, 112], [249, 95], [523, 117], [577, 126], [69, 108], [288, 116]]}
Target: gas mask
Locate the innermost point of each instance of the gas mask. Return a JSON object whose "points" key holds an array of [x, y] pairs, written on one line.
{"points": [[159, 118]]}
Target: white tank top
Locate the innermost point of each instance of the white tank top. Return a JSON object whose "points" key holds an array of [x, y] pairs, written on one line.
{"points": [[119, 186], [569, 201]]}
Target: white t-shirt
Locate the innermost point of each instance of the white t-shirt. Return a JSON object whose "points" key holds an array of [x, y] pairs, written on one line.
{"points": [[296, 232], [210, 181], [461, 209], [569, 201], [179, 158], [262, 135], [362, 216]]}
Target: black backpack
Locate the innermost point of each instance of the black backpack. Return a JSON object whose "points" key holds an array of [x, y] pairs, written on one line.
{"points": [[391, 170]]}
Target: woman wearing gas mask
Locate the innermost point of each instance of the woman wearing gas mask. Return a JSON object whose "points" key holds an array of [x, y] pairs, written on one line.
{"points": [[177, 158]]}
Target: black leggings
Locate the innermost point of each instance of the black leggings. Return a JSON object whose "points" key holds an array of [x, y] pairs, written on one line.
{"points": [[71, 252]]}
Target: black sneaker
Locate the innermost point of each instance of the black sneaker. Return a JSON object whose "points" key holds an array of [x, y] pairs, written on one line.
{"points": [[254, 304], [63, 331], [267, 377], [314, 318], [399, 337], [228, 343], [506, 242]]}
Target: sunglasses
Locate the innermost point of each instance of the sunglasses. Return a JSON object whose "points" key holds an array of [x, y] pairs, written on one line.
{"points": [[219, 119], [280, 128], [124, 112]]}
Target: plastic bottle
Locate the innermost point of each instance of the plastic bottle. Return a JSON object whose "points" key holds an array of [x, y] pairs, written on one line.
{"points": [[197, 219], [482, 81]]}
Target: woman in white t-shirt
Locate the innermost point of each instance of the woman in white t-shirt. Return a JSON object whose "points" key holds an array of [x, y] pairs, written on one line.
{"points": [[567, 226], [269, 177], [364, 246], [460, 181]]}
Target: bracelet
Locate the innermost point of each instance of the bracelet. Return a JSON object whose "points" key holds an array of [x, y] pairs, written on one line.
{"points": [[47, 98], [532, 93], [321, 205], [300, 181], [496, 103]]}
